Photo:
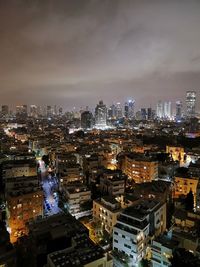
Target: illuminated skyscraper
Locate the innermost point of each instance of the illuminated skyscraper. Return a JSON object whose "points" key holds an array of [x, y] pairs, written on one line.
{"points": [[159, 110], [118, 111], [33, 111], [167, 112], [129, 109], [178, 110], [112, 112], [190, 103], [100, 114]]}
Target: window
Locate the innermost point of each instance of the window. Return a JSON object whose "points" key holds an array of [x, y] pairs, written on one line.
{"points": [[127, 246], [115, 240], [123, 236], [115, 233]]}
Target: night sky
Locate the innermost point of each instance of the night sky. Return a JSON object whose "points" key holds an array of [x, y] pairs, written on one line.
{"points": [[73, 53]]}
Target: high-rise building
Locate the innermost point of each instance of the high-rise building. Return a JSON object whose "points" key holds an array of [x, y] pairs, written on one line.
{"points": [[140, 168], [22, 111], [159, 110], [112, 112], [129, 108], [5, 110], [133, 229], [100, 114], [167, 112], [55, 110], [24, 195], [60, 111], [190, 103], [164, 110], [33, 111], [49, 111], [143, 113], [118, 111], [178, 110], [86, 120], [149, 114]]}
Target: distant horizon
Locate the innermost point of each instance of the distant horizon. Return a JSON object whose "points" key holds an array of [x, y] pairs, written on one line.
{"points": [[72, 53]]}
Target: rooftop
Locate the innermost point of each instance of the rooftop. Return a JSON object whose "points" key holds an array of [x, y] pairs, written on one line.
{"points": [[167, 242], [142, 209], [83, 252]]}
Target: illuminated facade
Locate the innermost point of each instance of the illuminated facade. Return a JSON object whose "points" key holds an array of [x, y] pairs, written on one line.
{"points": [[140, 169], [101, 115], [76, 195], [133, 228], [162, 251], [183, 185], [24, 195], [190, 103], [106, 211], [177, 153], [22, 209], [129, 109]]}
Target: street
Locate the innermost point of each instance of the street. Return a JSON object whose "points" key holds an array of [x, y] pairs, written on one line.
{"points": [[51, 197]]}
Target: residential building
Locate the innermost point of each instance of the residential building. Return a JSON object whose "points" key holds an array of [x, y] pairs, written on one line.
{"points": [[112, 182], [134, 228], [106, 210], [77, 194], [140, 168], [23, 194], [162, 250]]}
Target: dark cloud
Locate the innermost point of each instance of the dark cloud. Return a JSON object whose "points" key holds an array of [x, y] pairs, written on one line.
{"points": [[75, 52]]}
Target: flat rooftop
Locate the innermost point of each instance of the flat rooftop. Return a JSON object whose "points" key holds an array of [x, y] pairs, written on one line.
{"points": [[59, 224], [167, 242], [141, 209], [140, 157], [84, 252]]}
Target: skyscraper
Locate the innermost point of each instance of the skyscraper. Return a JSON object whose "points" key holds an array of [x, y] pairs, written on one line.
{"points": [[33, 111], [86, 120], [159, 110], [21, 111], [4, 110], [112, 112], [167, 112], [149, 114], [143, 113], [118, 111], [129, 109], [100, 114], [190, 103], [178, 110]]}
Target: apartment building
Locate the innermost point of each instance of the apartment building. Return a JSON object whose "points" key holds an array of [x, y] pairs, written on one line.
{"points": [[140, 168], [134, 228], [106, 210]]}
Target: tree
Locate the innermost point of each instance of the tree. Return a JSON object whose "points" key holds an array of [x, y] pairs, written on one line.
{"points": [[189, 201], [144, 263], [45, 158], [182, 257]]}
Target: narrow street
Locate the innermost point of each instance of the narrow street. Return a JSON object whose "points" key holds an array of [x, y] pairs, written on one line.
{"points": [[51, 198], [49, 185]]}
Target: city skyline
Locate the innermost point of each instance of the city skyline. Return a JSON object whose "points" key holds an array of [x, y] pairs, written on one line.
{"points": [[74, 53]]}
